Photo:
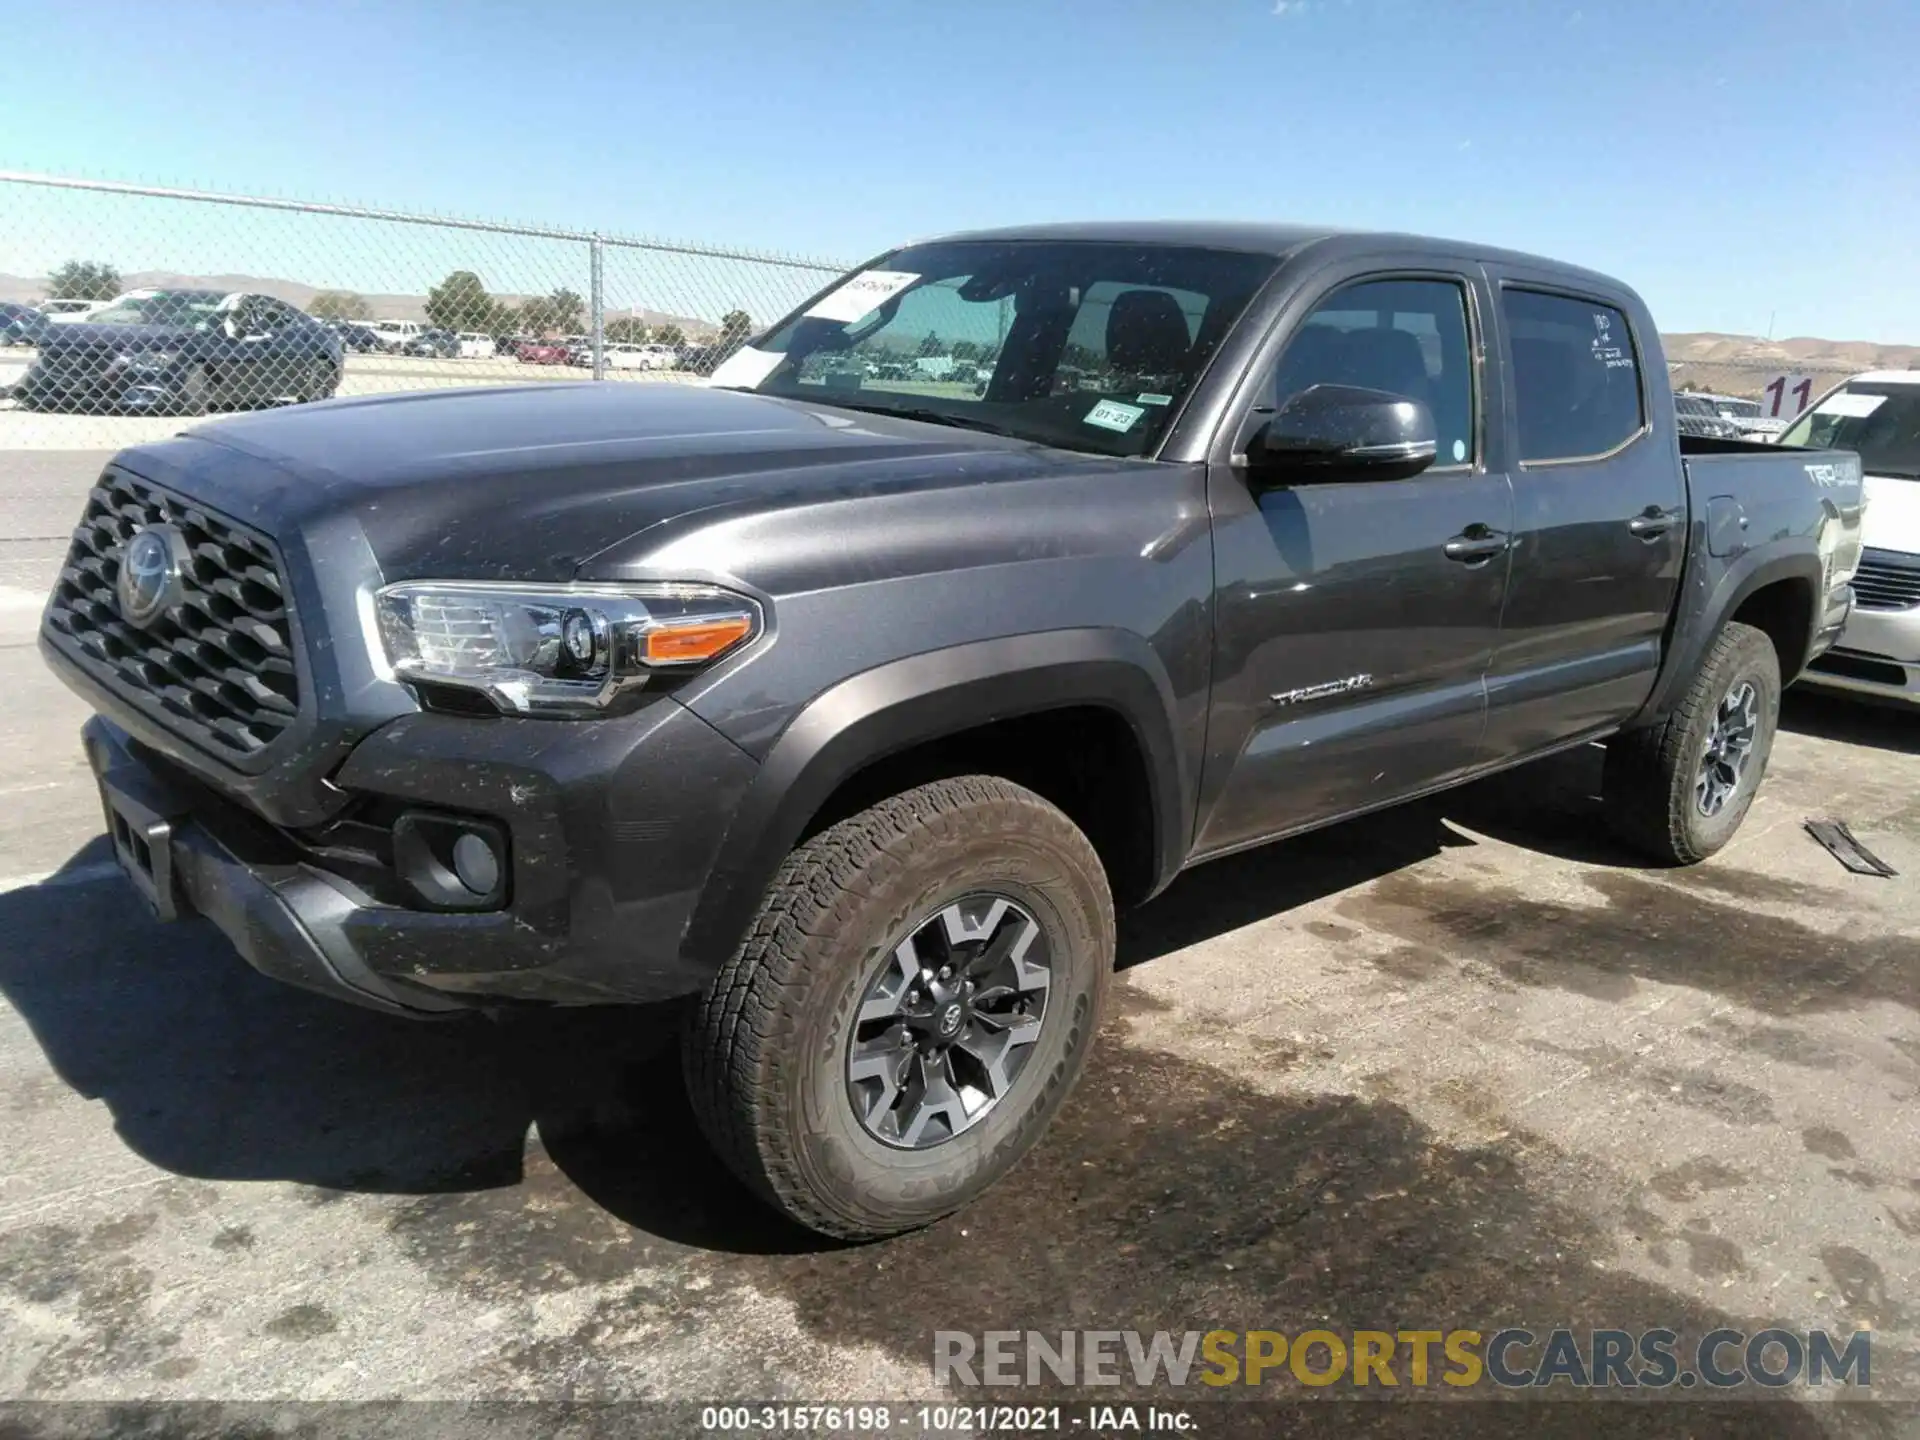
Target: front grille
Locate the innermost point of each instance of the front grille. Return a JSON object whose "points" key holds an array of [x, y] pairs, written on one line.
{"points": [[217, 668], [1887, 580]]}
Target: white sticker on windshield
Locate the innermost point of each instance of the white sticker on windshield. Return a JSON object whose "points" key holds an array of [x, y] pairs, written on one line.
{"points": [[1112, 415], [863, 293], [1850, 406], [1149, 398], [746, 367]]}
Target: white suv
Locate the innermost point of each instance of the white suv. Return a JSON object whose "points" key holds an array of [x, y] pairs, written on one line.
{"points": [[1878, 415], [394, 334]]}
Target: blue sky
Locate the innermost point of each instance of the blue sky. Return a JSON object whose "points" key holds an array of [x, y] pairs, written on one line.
{"points": [[1733, 161]]}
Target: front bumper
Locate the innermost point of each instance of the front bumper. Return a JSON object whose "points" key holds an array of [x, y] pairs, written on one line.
{"points": [[1878, 654], [126, 389], [607, 861]]}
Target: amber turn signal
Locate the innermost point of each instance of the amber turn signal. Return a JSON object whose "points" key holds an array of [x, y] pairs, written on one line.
{"points": [[692, 641]]}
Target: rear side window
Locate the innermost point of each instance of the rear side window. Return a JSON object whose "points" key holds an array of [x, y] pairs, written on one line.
{"points": [[1576, 378]]}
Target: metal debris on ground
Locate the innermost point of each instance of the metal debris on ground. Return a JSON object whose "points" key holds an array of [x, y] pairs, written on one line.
{"points": [[1840, 843]]}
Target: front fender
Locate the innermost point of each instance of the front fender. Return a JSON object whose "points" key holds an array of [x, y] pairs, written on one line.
{"points": [[894, 707]]}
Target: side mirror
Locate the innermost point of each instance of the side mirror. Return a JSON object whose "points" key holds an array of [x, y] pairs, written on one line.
{"points": [[1344, 432]]}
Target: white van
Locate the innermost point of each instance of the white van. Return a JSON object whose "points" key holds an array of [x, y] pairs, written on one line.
{"points": [[475, 346], [1876, 415], [394, 334]]}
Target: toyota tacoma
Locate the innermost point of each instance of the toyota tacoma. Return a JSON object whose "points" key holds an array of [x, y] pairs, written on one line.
{"points": [[846, 699]]}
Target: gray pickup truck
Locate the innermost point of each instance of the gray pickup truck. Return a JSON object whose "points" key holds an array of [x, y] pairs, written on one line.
{"points": [[846, 697]]}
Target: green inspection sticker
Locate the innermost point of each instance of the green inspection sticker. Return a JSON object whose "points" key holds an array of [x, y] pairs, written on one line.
{"points": [[1112, 415], [1150, 399]]}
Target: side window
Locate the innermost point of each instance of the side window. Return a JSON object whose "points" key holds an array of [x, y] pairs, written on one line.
{"points": [[1576, 378], [1407, 337]]}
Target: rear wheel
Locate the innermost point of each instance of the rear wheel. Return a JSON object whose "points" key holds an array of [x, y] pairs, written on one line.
{"points": [[910, 1008], [1679, 790]]}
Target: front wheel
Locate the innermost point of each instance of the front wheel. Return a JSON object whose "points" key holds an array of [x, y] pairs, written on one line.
{"points": [[911, 1006], [1679, 790]]}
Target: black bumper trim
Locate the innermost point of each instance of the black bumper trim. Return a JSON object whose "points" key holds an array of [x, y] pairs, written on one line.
{"points": [[287, 922]]}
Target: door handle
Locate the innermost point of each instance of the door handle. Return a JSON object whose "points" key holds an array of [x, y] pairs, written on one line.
{"points": [[1653, 522], [1475, 544]]}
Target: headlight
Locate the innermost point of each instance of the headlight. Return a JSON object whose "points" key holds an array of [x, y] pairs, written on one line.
{"points": [[566, 650]]}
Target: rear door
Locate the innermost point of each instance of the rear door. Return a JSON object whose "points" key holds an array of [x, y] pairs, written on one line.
{"points": [[1355, 619], [1600, 516]]}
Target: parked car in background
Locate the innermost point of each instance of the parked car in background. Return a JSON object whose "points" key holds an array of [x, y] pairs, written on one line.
{"points": [[433, 344], [851, 717], [63, 312], [182, 352], [21, 324], [1744, 414], [357, 337], [624, 356], [1876, 415], [1695, 415], [394, 334], [544, 352], [508, 346], [475, 346]]}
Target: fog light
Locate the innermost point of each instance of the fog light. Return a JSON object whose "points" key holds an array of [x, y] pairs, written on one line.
{"points": [[476, 864], [452, 862]]}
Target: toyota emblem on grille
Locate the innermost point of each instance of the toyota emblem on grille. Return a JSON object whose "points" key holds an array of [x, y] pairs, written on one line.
{"points": [[149, 583]]}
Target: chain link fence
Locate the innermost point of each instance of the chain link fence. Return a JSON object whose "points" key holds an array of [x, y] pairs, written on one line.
{"points": [[127, 307]]}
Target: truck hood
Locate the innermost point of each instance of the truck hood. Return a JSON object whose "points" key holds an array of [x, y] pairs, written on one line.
{"points": [[1893, 514], [532, 482]]}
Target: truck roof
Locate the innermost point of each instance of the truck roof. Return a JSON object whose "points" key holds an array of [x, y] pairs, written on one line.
{"points": [[1887, 377], [1262, 238]]}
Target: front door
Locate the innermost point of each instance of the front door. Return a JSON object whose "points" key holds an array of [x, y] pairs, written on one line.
{"points": [[1356, 619]]}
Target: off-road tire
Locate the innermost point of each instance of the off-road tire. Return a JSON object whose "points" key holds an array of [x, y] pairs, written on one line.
{"points": [[765, 1047], [1648, 783]]}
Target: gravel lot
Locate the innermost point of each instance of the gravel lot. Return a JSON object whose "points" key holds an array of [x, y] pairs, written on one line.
{"points": [[1463, 1064]]}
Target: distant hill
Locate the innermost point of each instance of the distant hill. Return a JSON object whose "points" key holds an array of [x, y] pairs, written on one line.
{"points": [[25, 289], [1742, 364]]}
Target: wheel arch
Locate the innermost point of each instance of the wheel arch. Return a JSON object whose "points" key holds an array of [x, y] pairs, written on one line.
{"points": [[1773, 588], [876, 723]]}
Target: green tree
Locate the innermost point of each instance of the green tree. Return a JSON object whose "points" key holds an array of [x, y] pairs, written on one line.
{"points": [[669, 335], [339, 305], [628, 330], [735, 327], [560, 312], [966, 350], [83, 280], [461, 302]]}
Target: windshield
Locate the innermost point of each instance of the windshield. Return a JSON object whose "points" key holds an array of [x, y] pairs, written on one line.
{"points": [[1733, 409], [1083, 345], [189, 308], [1881, 422]]}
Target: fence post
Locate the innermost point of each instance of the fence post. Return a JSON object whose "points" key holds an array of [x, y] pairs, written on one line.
{"points": [[597, 300]]}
